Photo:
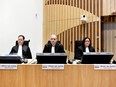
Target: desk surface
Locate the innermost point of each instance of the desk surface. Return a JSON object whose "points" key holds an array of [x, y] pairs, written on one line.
{"points": [[71, 76]]}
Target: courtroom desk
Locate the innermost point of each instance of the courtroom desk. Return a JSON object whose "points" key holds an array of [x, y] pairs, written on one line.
{"points": [[71, 76]]}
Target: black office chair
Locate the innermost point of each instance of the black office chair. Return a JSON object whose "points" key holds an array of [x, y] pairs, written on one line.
{"points": [[26, 42], [77, 44]]}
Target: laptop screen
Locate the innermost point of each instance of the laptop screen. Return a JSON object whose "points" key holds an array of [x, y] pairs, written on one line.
{"points": [[97, 57], [51, 58], [10, 59]]}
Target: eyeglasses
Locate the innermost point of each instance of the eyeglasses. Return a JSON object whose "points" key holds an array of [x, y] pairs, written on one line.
{"points": [[87, 41], [53, 38]]}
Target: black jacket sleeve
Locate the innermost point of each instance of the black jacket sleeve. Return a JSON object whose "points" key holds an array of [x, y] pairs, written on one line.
{"points": [[28, 53], [60, 49], [14, 50], [47, 48]]}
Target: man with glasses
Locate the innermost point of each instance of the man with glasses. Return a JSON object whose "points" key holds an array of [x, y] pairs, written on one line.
{"points": [[53, 46], [21, 50]]}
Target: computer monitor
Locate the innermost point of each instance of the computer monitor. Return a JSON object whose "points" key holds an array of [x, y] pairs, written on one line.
{"points": [[97, 57], [51, 58], [10, 59]]}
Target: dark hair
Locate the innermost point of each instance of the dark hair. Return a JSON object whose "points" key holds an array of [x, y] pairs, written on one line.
{"points": [[22, 36], [83, 42]]}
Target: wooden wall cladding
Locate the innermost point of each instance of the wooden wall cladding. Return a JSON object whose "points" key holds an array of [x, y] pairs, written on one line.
{"points": [[62, 17]]}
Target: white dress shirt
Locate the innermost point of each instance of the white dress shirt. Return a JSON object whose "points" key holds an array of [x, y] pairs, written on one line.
{"points": [[20, 51], [53, 49], [87, 49]]}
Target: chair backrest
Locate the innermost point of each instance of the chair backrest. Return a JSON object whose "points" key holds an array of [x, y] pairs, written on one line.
{"points": [[26, 42], [77, 44]]}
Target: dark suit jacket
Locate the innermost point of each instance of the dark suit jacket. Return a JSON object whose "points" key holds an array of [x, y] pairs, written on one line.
{"points": [[80, 50], [58, 48], [25, 51]]}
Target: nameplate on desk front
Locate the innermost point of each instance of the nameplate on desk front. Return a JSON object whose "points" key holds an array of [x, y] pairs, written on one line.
{"points": [[104, 66], [53, 66], [8, 66]]}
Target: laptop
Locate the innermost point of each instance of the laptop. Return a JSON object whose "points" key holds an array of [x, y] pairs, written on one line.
{"points": [[51, 58], [97, 57], [10, 59]]}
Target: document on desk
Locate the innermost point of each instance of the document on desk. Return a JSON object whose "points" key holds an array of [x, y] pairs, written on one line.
{"points": [[52, 66], [8, 66], [104, 66]]}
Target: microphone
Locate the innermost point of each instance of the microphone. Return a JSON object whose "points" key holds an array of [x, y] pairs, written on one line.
{"points": [[70, 43], [69, 60]]}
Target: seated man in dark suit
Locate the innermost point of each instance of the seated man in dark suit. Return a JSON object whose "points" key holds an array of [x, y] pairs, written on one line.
{"points": [[85, 47], [53, 46], [20, 49]]}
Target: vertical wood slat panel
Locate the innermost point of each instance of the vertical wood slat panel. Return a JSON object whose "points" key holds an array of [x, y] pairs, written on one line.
{"points": [[61, 20], [93, 32], [66, 40], [53, 22], [91, 6], [63, 3], [104, 7], [60, 36], [55, 12], [75, 29], [70, 23], [99, 25], [63, 38], [80, 4], [72, 50], [79, 20], [109, 6], [68, 2], [87, 29], [84, 4], [92, 27], [82, 26], [101, 6], [71, 33], [98, 8], [89, 23], [83, 30], [60, 13], [94, 6], [78, 36], [75, 33], [114, 4], [49, 20], [67, 25], [95, 44], [86, 9]]}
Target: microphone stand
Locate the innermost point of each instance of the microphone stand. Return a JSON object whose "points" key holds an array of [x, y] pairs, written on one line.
{"points": [[69, 61]]}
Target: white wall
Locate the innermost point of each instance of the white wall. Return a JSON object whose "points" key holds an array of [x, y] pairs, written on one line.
{"points": [[21, 17]]}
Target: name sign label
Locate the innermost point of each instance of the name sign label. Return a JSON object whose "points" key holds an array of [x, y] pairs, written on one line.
{"points": [[53, 66], [8, 66], [104, 66]]}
